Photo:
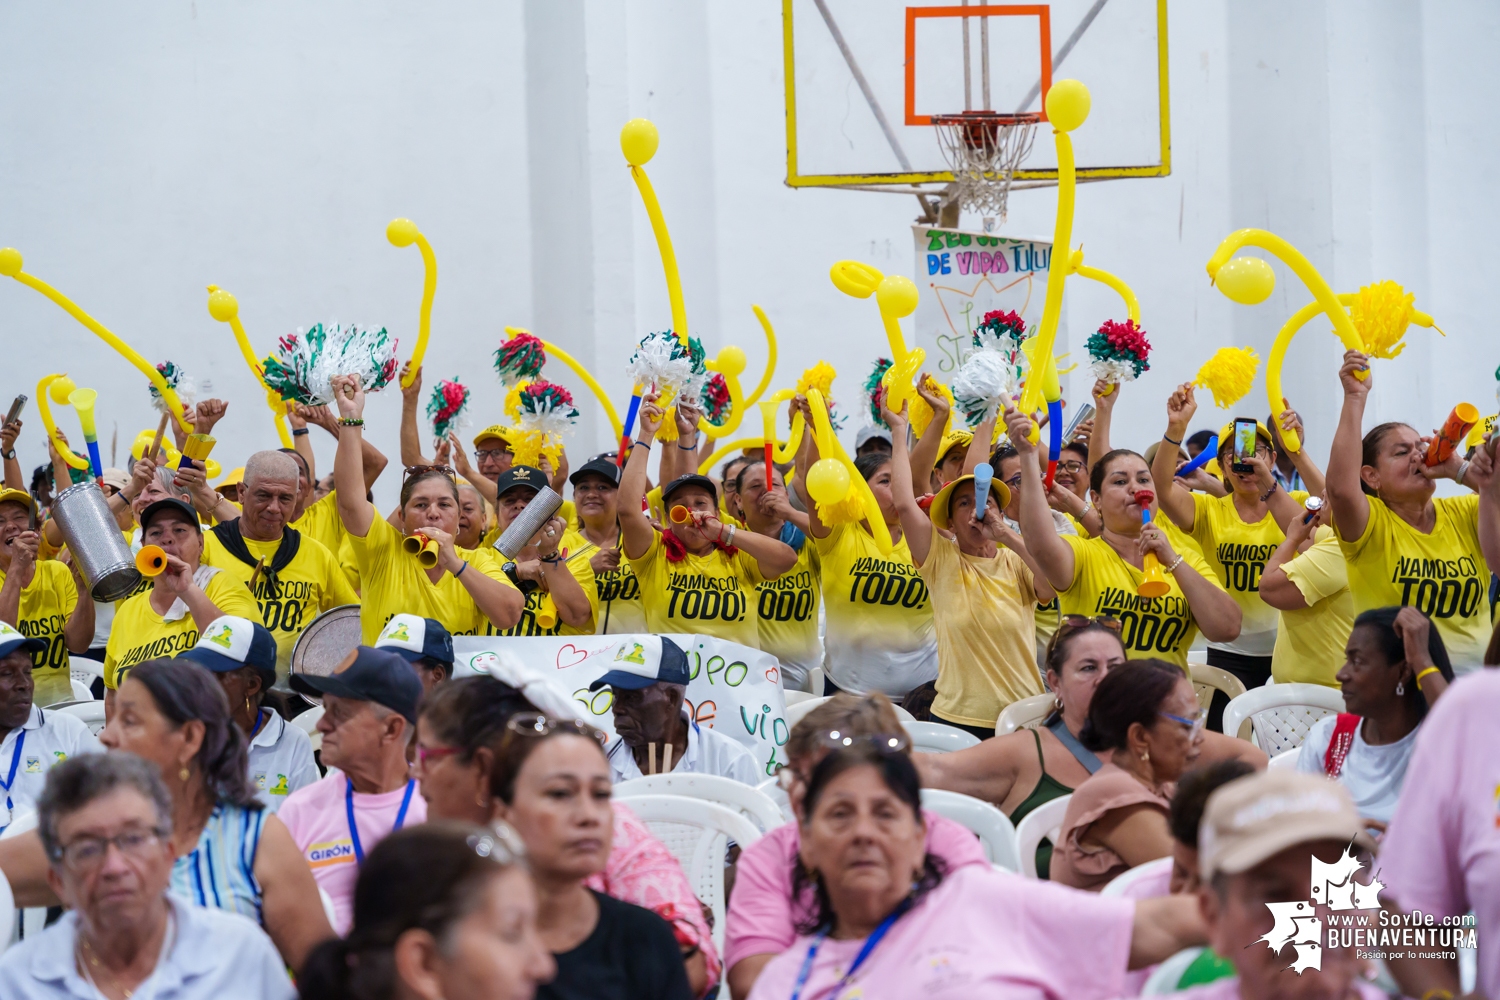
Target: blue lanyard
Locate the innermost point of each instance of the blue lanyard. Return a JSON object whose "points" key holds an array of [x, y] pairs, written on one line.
{"points": [[359, 851], [15, 760], [864, 953], [260, 722]]}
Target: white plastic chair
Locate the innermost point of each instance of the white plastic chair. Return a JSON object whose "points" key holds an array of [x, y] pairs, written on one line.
{"points": [[1027, 713], [698, 834], [1207, 680], [993, 828], [91, 712], [33, 920], [795, 713], [1122, 883], [771, 790], [1286, 759], [742, 798], [935, 737], [1169, 973], [81, 691], [1042, 823], [81, 668], [308, 723], [793, 697], [1277, 718]]}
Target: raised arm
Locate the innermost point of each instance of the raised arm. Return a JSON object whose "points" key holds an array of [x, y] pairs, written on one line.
{"points": [[411, 437], [1174, 500], [1053, 556], [1302, 461], [915, 524], [1104, 411], [484, 484], [372, 460], [635, 526], [1276, 588], [572, 603], [924, 456], [501, 603], [78, 632], [1351, 508], [15, 479], [1218, 616], [1482, 475], [807, 454], [981, 446], [302, 444], [355, 511]]}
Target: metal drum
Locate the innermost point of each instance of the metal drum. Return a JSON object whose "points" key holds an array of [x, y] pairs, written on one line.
{"points": [[327, 641], [527, 523], [93, 537]]}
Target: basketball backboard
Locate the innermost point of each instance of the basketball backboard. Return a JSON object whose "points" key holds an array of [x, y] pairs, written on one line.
{"points": [[863, 77]]}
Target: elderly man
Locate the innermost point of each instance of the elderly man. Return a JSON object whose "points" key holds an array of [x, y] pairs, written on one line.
{"points": [[648, 676], [369, 716], [32, 739], [293, 576], [106, 824], [41, 599]]}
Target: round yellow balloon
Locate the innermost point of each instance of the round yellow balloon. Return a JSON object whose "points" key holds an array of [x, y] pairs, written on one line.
{"points": [[61, 389], [855, 279], [638, 141], [828, 481], [401, 232], [731, 362], [1067, 104], [1246, 280], [222, 305], [10, 262], [897, 296]]}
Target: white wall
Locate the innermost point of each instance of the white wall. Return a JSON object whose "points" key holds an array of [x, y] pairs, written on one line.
{"points": [[149, 151]]}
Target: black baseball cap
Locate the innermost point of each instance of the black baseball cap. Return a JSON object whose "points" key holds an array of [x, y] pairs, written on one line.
{"points": [[600, 467], [376, 675], [173, 504], [519, 475], [691, 479]]}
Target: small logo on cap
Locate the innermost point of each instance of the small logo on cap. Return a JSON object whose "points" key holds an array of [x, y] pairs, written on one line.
{"points": [[396, 632], [634, 653], [220, 635]]}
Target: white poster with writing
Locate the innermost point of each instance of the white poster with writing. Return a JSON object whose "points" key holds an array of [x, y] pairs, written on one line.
{"points": [[734, 690], [963, 275]]}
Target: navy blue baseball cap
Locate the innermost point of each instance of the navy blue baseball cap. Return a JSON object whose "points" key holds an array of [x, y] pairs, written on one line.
{"points": [[416, 638], [641, 661], [369, 674], [230, 643], [12, 641]]}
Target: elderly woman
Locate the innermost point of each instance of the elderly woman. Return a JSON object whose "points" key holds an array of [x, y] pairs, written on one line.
{"points": [[106, 824], [231, 853], [1146, 724], [1394, 670], [890, 920], [458, 736], [440, 910]]}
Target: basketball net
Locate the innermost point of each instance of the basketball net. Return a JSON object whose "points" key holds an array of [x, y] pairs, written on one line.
{"points": [[984, 149]]}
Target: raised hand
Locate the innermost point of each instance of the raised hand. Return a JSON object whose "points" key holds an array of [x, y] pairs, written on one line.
{"points": [[411, 395], [349, 395], [606, 560], [1354, 361], [8, 435], [209, 412], [651, 415], [1181, 406], [1018, 429]]}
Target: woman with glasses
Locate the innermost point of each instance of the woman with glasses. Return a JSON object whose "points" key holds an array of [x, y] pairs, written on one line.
{"points": [[767, 904], [1146, 725], [552, 784], [458, 736], [1102, 575], [889, 919], [440, 910], [466, 590], [107, 827], [1237, 532], [232, 853]]}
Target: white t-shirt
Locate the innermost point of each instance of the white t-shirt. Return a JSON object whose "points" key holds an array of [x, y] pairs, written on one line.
{"points": [[1372, 775], [707, 752], [281, 760], [49, 737]]}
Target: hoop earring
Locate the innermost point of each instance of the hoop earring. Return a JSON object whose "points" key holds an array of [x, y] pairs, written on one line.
{"points": [[1400, 688], [1057, 702]]}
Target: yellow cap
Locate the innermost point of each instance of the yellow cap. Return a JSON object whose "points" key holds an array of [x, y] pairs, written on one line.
{"points": [[20, 497], [1226, 435], [235, 477], [499, 431], [939, 509], [952, 440]]}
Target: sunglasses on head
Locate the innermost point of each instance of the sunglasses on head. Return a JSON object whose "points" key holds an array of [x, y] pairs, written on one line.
{"points": [[529, 725], [417, 470]]}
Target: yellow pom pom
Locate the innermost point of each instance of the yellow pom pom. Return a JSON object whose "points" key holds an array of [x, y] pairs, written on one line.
{"points": [[1229, 374], [667, 432], [850, 510], [920, 414], [526, 448], [820, 377], [1381, 314], [513, 401]]}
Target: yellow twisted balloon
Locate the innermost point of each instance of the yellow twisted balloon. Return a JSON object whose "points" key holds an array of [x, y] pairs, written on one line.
{"points": [[403, 233], [770, 372], [836, 485], [638, 141], [730, 363], [739, 444], [45, 409], [553, 351], [1284, 340], [1132, 304], [897, 298], [225, 308], [11, 265]]}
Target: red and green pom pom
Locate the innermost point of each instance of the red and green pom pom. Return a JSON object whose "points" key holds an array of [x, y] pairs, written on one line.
{"points": [[1000, 325], [446, 407], [542, 399], [520, 359], [715, 400], [875, 392], [1118, 352]]}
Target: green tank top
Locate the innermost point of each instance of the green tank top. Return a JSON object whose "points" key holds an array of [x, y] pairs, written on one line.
{"points": [[1047, 788]]}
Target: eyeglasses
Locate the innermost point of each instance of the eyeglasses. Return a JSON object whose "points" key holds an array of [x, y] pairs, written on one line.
{"points": [[87, 853], [418, 470], [424, 754], [1194, 725], [480, 454], [528, 725], [1071, 623], [1014, 482], [834, 739], [1073, 468]]}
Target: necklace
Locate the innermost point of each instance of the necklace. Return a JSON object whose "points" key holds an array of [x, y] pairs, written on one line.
{"points": [[91, 962]]}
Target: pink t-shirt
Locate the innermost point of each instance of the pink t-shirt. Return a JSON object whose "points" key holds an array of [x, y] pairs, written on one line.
{"points": [[1152, 886], [1107, 789], [1441, 853], [760, 918], [319, 823], [1229, 989], [982, 934]]}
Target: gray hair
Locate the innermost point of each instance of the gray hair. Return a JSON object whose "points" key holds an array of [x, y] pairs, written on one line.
{"points": [[166, 478], [271, 465], [80, 780]]}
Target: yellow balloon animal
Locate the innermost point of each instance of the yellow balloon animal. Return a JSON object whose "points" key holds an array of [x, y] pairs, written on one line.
{"points": [[638, 141], [55, 383], [897, 298], [403, 233], [11, 264], [225, 308], [842, 495], [553, 351]]}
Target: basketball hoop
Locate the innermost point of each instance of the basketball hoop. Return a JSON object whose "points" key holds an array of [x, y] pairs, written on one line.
{"points": [[984, 149]]}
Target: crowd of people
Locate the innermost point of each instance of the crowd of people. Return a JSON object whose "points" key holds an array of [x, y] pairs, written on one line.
{"points": [[456, 835]]}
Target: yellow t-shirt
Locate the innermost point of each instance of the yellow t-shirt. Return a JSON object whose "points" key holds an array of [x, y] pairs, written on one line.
{"points": [[567, 512], [395, 584], [1237, 552], [320, 521], [1443, 575], [1310, 641], [787, 609], [46, 603], [708, 595], [616, 594], [878, 633], [1105, 584], [311, 583], [573, 545], [140, 634], [983, 611]]}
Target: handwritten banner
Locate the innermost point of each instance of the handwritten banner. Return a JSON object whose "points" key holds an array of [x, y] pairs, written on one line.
{"points": [[962, 276], [734, 690]]}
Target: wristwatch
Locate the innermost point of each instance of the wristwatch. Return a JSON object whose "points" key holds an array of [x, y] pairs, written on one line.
{"points": [[9, 456]]}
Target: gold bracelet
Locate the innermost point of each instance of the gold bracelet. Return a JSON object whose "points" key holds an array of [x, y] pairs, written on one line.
{"points": [[1424, 673]]}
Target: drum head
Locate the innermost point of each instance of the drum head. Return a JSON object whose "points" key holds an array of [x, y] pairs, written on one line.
{"points": [[326, 641]]}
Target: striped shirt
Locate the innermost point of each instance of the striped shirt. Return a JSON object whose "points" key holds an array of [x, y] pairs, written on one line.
{"points": [[220, 872]]}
